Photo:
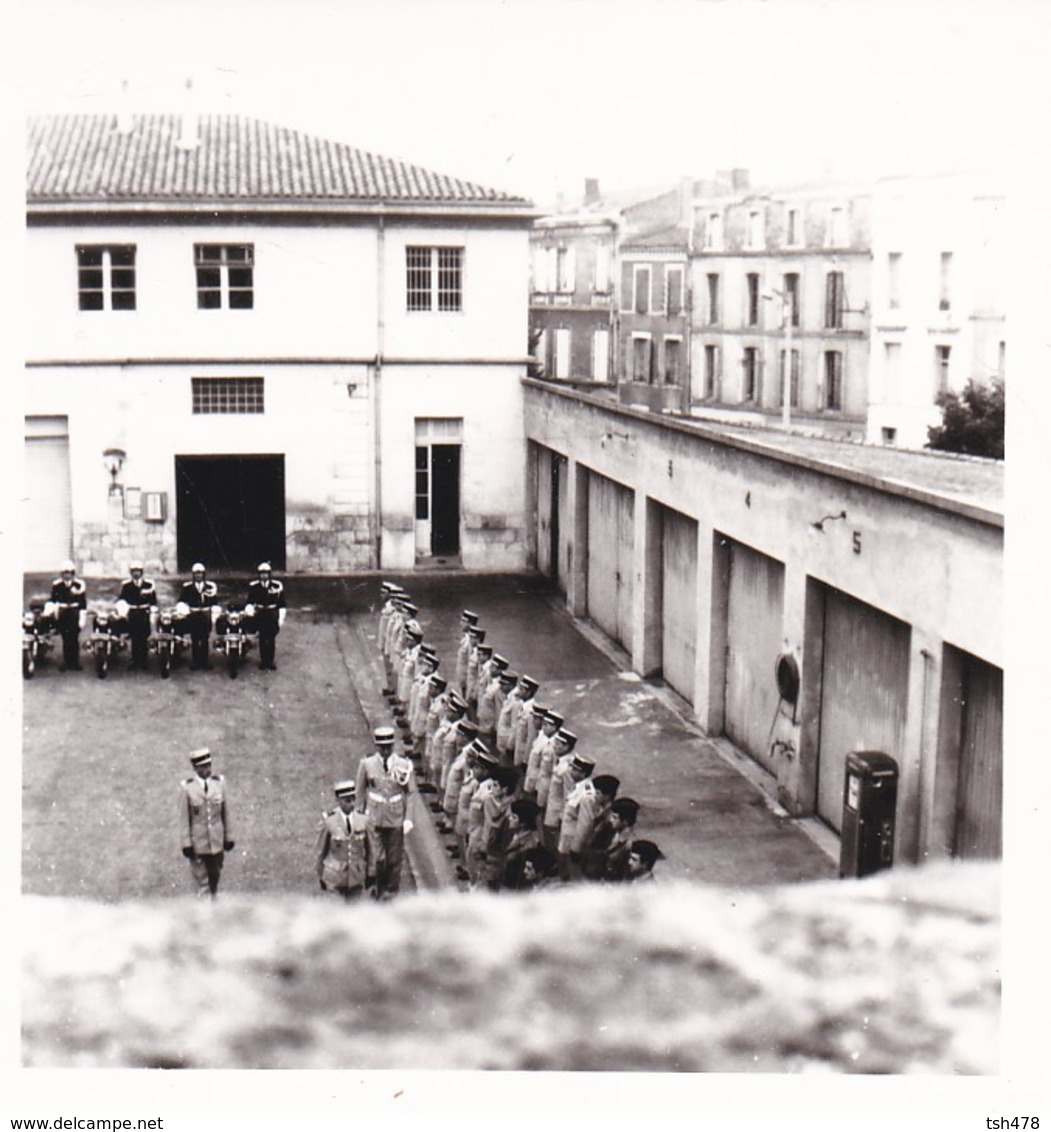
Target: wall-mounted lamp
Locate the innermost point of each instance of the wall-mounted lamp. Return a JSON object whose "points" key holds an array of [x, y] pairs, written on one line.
{"points": [[819, 525], [113, 460]]}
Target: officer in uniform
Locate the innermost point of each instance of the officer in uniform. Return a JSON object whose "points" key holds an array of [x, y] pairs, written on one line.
{"points": [[70, 596], [586, 804], [386, 785], [139, 594], [266, 596], [200, 595], [467, 619], [204, 822], [570, 769], [343, 850]]}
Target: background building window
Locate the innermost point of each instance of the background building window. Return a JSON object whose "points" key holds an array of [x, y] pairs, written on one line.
{"points": [[642, 290], [944, 294], [941, 368], [795, 379], [894, 280], [791, 292], [602, 268], [600, 356], [227, 394], [752, 313], [672, 361], [674, 288], [792, 228], [833, 380], [562, 342], [750, 384], [713, 299], [837, 227], [713, 231], [224, 272], [835, 300], [642, 360], [755, 229], [433, 279], [711, 372], [106, 277]]}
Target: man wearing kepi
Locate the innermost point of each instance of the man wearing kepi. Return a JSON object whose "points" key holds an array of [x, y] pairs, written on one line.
{"points": [[266, 596], [204, 822], [386, 785], [342, 851]]}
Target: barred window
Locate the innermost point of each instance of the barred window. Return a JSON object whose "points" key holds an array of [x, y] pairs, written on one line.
{"points": [[224, 272], [106, 277], [433, 279], [227, 394]]}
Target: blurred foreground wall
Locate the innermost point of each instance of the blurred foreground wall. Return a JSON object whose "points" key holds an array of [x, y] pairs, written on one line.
{"points": [[897, 973]]}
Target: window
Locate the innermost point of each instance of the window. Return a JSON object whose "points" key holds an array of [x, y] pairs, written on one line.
{"points": [[713, 231], [224, 270], [792, 228], [752, 314], [837, 227], [891, 372], [106, 277], [642, 290], [423, 485], [673, 285], [602, 268], [755, 229], [433, 279], [750, 362], [1001, 360], [600, 356], [642, 360], [834, 300], [227, 394], [713, 299], [795, 379], [563, 269], [894, 280], [941, 368], [562, 352], [833, 380], [944, 297], [791, 292], [672, 361], [711, 372], [889, 435]]}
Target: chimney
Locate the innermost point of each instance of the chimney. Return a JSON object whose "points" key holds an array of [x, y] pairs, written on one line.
{"points": [[188, 127], [591, 191]]}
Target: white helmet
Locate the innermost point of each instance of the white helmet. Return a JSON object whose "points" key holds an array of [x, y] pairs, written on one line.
{"points": [[136, 565], [67, 567]]}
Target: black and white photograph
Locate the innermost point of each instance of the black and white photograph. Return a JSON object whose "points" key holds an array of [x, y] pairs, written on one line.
{"points": [[508, 529]]}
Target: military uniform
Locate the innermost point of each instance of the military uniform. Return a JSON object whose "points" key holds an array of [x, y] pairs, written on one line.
{"points": [[140, 596], [568, 771], [343, 850], [266, 595], [70, 596], [199, 594], [386, 785], [204, 821], [467, 619]]}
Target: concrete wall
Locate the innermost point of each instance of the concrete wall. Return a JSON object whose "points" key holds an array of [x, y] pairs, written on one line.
{"points": [[937, 568]]}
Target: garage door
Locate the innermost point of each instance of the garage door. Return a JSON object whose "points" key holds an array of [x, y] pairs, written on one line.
{"points": [[864, 692], [979, 795], [754, 637], [611, 556], [679, 601], [46, 510]]}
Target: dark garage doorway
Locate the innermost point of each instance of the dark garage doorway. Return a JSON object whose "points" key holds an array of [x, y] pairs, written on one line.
{"points": [[230, 511]]}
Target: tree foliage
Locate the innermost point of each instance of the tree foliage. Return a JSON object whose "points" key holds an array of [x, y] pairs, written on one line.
{"points": [[972, 421]]}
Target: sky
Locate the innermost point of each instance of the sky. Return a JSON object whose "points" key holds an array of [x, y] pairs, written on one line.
{"points": [[536, 95]]}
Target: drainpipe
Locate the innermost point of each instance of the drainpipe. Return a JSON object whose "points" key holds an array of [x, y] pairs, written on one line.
{"points": [[377, 370]]}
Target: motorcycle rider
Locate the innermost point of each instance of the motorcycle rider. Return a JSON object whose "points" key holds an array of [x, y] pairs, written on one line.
{"points": [[266, 596], [139, 594], [69, 594], [199, 596]]}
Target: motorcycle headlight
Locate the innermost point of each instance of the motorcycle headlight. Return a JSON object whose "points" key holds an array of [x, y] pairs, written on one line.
{"points": [[234, 618]]}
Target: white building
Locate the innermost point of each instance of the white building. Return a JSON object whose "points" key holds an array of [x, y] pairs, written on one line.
{"points": [[290, 348], [938, 247]]}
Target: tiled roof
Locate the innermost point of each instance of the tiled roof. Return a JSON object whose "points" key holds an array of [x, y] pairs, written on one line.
{"points": [[86, 158], [665, 239]]}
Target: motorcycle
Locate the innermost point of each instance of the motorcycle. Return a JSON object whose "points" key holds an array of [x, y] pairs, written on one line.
{"points": [[37, 627], [233, 639], [106, 640], [170, 640]]}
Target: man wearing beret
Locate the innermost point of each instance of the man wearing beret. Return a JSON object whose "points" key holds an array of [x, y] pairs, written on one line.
{"points": [[342, 851], [204, 821], [385, 787]]}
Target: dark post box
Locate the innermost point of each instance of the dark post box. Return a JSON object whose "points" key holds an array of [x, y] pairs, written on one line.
{"points": [[870, 794]]}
